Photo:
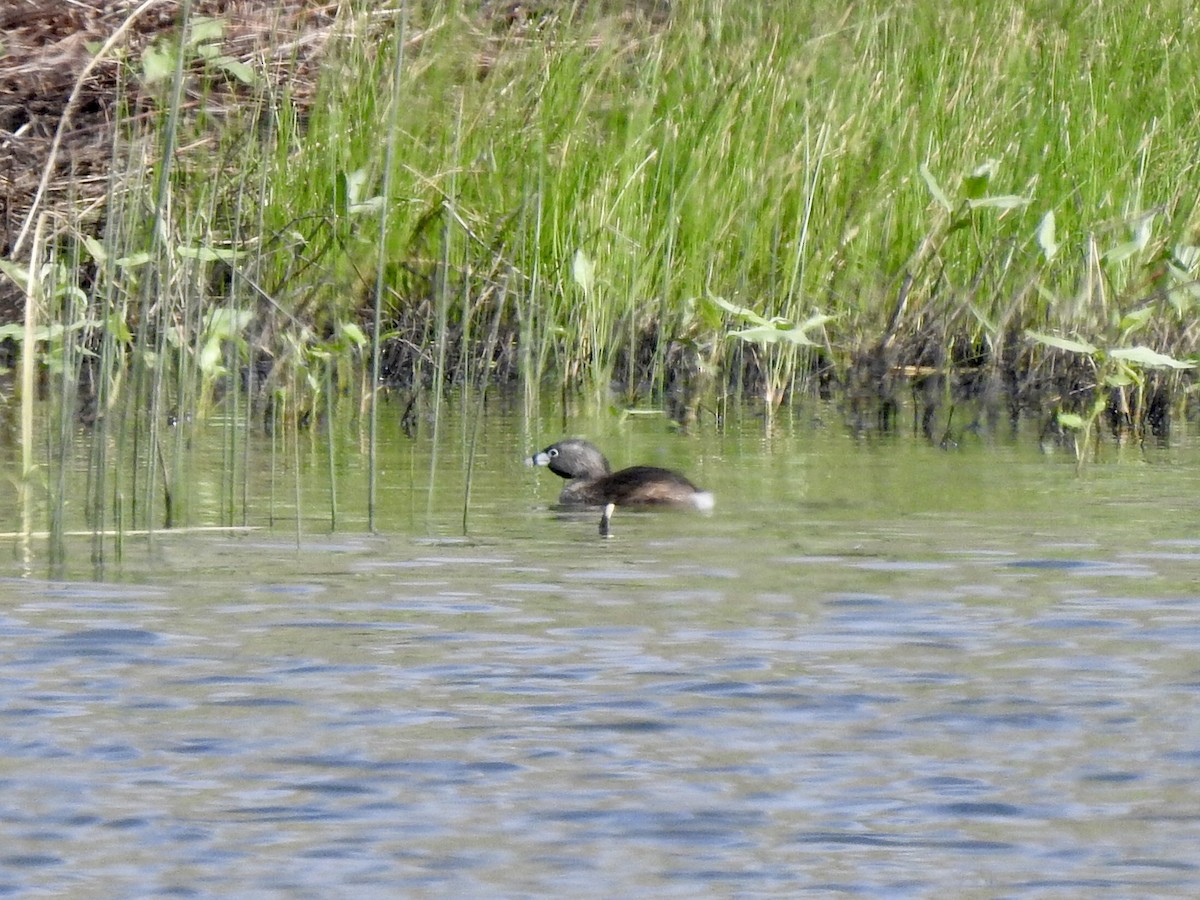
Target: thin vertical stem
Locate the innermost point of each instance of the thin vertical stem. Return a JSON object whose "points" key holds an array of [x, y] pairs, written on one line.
{"points": [[33, 295], [154, 289], [331, 443], [484, 381], [295, 433], [377, 304], [443, 306]]}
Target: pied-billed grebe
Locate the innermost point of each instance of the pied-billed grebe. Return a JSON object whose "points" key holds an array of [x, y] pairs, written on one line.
{"points": [[591, 482]]}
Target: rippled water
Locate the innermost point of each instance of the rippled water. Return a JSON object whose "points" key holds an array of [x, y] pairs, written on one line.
{"points": [[877, 670]]}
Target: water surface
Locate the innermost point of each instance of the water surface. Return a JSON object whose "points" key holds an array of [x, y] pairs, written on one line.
{"points": [[878, 669]]}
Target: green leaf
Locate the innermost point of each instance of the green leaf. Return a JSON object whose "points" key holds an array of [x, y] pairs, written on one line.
{"points": [[205, 28], [770, 334], [1187, 256], [1073, 421], [931, 182], [95, 249], [209, 254], [370, 205], [960, 220], [210, 356], [1136, 319], [1062, 343], [1186, 291], [975, 185], [1046, 238], [356, 183], [1121, 252], [1143, 230], [16, 331], [158, 62], [227, 323], [742, 312], [341, 193], [236, 68], [583, 270], [815, 321], [706, 312], [18, 274], [74, 292], [119, 329], [1150, 359], [1141, 237], [982, 318], [354, 334], [1047, 295], [1123, 377], [133, 261], [1004, 201]]}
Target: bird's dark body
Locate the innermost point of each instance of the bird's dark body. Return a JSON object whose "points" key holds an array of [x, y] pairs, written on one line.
{"points": [[591, 482]]}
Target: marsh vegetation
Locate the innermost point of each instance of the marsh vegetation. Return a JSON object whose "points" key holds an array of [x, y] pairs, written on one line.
{"points": [[267, 215]]}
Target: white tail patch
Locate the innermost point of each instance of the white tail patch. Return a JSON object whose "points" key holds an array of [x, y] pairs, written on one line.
{"points": [[703, 500]]}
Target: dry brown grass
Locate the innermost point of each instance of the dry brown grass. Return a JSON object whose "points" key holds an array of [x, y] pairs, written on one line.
{"points": [[59, 111]]}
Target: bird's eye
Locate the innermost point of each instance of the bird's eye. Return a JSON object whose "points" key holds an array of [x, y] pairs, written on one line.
{"points": [[552, 452]]}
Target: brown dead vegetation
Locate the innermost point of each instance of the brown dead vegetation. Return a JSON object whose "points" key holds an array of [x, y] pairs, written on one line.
{"points": [[70, 70], [70, 78]]}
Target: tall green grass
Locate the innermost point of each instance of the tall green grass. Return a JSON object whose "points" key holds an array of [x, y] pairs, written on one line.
{"points": [[624, 208], [770, 154]]}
